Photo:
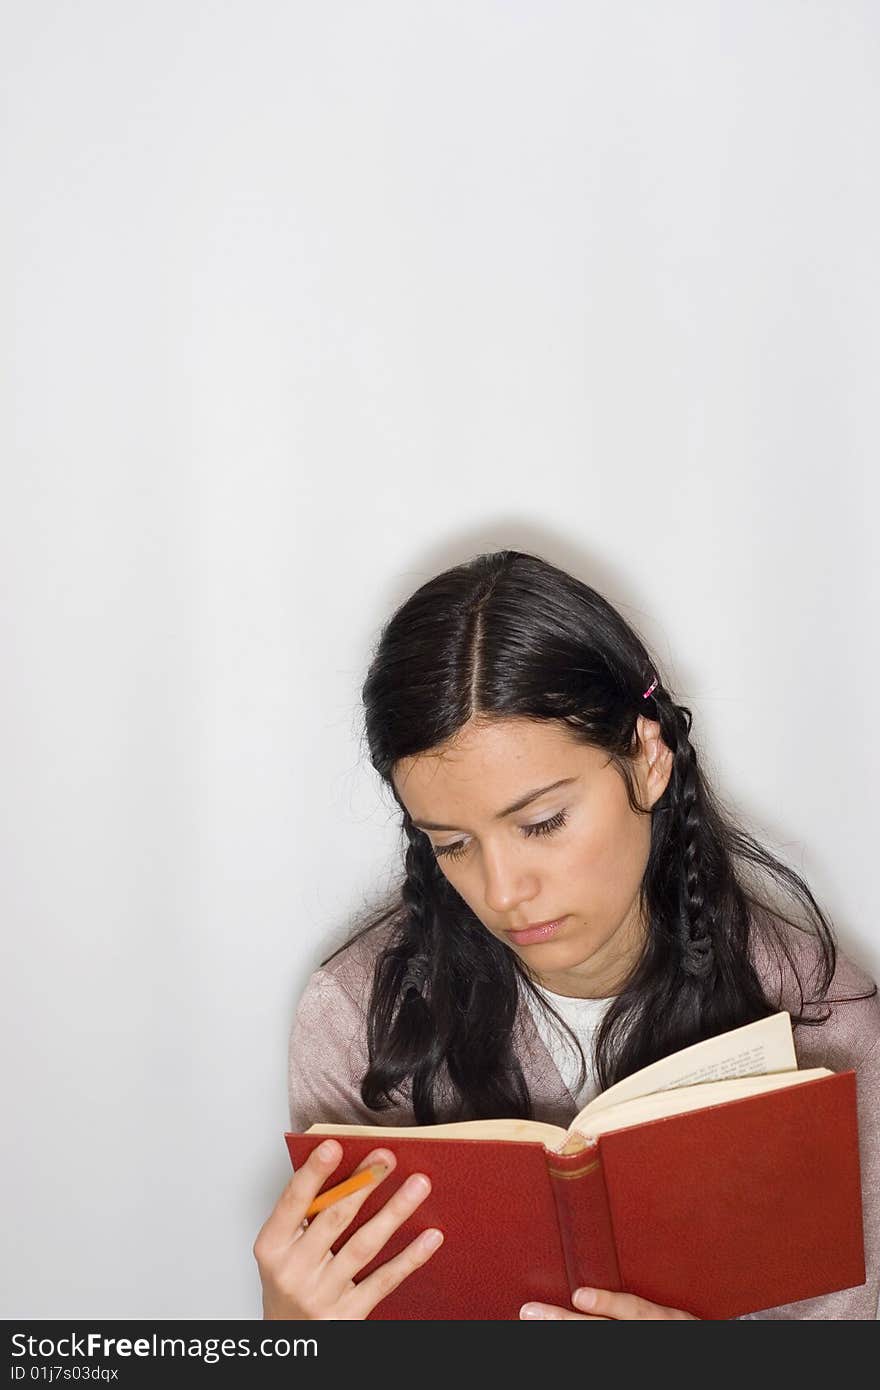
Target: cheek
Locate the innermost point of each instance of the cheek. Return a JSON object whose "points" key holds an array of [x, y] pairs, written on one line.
{"points": [[607, 856]]}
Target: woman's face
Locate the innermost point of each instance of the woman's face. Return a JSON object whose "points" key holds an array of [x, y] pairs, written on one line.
{"points": [[584, 866]]}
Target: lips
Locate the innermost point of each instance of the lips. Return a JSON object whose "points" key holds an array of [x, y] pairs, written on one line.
{"points": [[539, 931]]}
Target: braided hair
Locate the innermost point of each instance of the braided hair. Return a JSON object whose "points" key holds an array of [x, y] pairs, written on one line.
{"points": [[510, 635]]}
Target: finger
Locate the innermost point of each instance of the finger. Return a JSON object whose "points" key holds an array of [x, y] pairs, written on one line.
{"points": [[378, 1285], [622, 1306], [285, 1220], [365, 1243], [325, 1228], [551, 1310]]}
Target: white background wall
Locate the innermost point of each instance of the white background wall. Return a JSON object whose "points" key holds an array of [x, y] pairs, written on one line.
{"points": [[301, 304]]}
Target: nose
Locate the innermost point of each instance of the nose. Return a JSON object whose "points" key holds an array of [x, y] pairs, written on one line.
{"points": [[506, 882]]}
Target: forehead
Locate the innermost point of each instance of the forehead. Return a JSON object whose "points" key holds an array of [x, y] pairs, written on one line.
{"points": [[490, 763]]}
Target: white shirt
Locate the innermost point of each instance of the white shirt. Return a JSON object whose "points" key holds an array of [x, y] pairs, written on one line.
{"points": [[583, 1016]]}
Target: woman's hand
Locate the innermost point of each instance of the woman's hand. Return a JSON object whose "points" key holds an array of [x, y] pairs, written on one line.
{"points": [[301, 1278], [599, 1305]]}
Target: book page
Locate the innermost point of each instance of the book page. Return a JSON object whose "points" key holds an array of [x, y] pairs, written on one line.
{"points": [[756, 1048], [524, 1131], [678, 1100]]}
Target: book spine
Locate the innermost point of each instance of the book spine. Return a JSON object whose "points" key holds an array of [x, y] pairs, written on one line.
{"points": [[578, 1184]]}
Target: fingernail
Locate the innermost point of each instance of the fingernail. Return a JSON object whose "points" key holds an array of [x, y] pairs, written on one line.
{"points": [[584, 1298], [383, 1157], [329, 1149], [431, 1239], [531, 1310]]}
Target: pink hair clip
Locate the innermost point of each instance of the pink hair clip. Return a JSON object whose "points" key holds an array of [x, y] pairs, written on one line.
{"points": [[651, 688]]}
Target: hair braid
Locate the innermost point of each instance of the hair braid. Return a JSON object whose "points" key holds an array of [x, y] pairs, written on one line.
{"points": [[418, 894], [696, 919], [402, 1031]]}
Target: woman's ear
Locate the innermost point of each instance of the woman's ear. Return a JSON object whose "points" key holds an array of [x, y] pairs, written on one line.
{"points": [[654, 759]]}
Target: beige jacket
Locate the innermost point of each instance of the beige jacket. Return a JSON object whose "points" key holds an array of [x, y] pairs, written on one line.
{"points": [[327, 1058]]}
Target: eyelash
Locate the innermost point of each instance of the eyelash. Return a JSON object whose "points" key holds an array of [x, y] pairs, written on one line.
{"points": [[544, 827]]}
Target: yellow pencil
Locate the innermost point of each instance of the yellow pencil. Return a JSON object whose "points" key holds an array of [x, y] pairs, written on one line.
{"points": [[342, 1189]]}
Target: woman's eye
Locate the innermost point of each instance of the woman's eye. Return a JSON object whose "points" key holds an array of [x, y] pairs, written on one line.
{"points": [[544, 827]]}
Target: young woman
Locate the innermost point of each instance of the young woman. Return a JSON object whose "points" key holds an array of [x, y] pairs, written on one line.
{"points": [[577, 903]]}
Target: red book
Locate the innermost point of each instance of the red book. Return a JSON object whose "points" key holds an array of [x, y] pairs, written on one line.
{"points": [[719, 1195]]}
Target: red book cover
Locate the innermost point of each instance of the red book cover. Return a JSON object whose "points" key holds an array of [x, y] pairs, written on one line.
{"points": [[722, 1211]]}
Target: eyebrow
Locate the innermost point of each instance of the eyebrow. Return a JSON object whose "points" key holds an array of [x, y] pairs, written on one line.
{"points": [[508, 810]]}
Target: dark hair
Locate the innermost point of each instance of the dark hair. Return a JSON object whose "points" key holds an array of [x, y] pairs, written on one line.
{"points": [[510, 635]]}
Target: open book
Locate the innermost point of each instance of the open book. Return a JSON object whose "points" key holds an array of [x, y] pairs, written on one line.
{"points": [[719, 1180], [747, 1061]]}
